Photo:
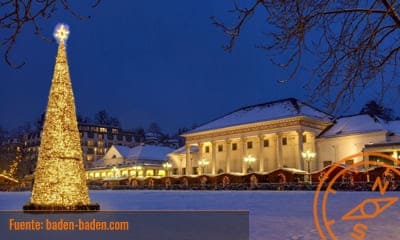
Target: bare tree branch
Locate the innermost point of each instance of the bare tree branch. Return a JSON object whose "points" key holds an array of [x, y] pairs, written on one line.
{"points": [[20, 13], [357, 43]]}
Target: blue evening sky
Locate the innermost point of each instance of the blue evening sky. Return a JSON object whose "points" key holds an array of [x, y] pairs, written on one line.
{"points": [[147, 61]]}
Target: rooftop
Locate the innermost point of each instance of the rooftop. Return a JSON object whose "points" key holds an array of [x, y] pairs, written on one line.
{"points": [[361, 123], [279, 109]]}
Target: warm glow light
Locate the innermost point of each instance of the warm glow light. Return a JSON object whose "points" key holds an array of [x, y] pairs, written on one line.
{"points": [[61, 33], [167, 165], [249, 159], [204, 162], [60, 180], [308, 155]]}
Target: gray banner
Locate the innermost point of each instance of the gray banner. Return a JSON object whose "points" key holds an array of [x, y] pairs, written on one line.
{"points": [[132, 225]]}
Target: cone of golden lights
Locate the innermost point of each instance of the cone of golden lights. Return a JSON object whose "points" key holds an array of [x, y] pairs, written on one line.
{"points": [[60, 182]]}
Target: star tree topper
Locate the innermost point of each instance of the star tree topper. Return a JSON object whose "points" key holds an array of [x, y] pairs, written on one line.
{"points": [[61, 33]]}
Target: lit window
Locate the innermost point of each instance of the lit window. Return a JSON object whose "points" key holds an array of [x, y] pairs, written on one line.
{"points": [[114, 130], [150, 172], [90, 142], [89, 157], [161, 173], [96, 175], [102, 129]]}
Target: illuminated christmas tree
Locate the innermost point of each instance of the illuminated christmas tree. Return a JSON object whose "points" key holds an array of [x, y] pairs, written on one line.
{"points": [[60, 182]]}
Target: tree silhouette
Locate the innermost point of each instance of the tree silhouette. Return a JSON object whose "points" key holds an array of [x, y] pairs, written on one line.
{"points": [[374, 109], [15, 15], [356, 43]]}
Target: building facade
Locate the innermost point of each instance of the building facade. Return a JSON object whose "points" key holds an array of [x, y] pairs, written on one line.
{"points": [[95, 141], [122, 162], [279, 134]]}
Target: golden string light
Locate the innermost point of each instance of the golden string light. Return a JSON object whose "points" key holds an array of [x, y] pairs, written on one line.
{"points": [[60, 181]]}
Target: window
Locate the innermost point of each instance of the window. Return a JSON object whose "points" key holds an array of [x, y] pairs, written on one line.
{"points": [[304, 138], [220, 148], [326, 163], [100, 136], [183, 171], [102, 129], [195, 170], [349, 162], [249, 145], [90, 151], [89, 157], [110, 136], [266, 142], [234, 146], [114, 130], [284, 141], [150, 172], [175, 171], [207, 149]]}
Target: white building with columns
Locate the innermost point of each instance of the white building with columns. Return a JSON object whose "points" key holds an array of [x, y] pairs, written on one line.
{"points": [[275, 134]]}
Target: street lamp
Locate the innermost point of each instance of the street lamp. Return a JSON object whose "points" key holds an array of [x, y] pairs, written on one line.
{"points": [[308, 156], [249, 160], [203, 163], [167, 166]]}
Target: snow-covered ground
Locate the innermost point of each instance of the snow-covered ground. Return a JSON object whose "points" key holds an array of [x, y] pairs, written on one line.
{"points": [[273, 214]]}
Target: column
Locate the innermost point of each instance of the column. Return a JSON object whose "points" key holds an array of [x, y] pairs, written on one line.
{"points": [[200, 152], [228, 155], [260, 156], [180, 167], [278, 146], [213, 157], [315, 163], [300, 160], [188, 160], [243, 154]]}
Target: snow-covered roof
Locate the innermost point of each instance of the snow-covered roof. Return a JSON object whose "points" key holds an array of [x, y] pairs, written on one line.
{"points": [[393, 126], [285, 108], [362, 123], [123, 150], [183, 150], [149, 152], [142, 152]]}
